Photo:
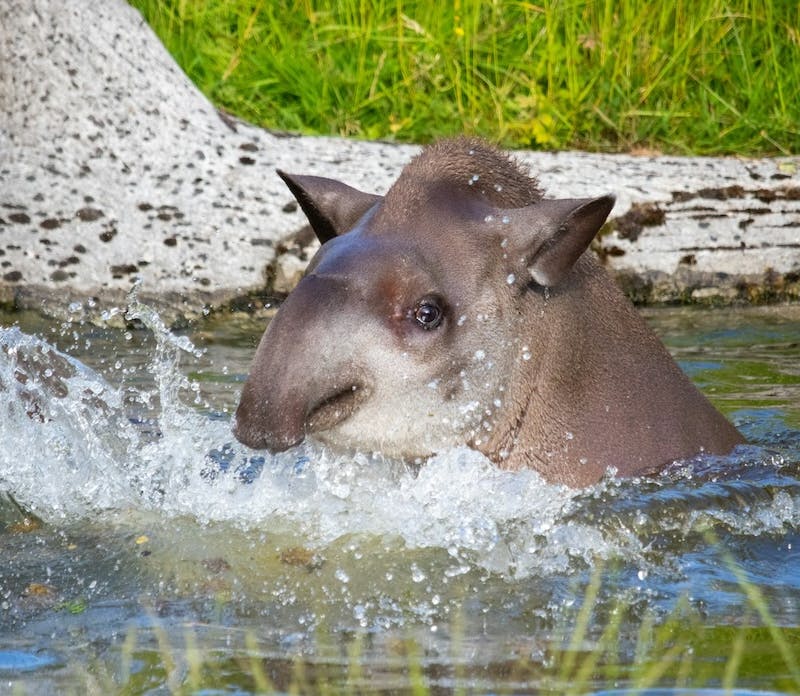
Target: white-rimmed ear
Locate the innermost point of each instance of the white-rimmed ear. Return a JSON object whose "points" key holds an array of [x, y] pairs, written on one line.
{"points": [[550, 235], [332, 208]]}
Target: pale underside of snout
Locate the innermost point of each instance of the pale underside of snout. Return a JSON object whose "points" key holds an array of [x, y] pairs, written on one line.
{"points": [[357, 394], [392, 407]]}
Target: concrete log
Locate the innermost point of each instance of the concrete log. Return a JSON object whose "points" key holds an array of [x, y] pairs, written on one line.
{"points": [[114, 167]]}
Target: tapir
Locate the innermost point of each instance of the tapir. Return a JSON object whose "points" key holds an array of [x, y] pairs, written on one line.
{"points": [[464, 308]]}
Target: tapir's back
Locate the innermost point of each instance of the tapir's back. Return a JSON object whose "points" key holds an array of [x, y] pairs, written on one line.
{"points": [[605, 392]]}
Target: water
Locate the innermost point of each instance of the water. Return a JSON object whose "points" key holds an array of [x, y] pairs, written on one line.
{"points": [[144, 550]]}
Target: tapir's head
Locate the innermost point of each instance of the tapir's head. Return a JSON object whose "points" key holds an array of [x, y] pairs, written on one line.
{"points": [[406, 329]]}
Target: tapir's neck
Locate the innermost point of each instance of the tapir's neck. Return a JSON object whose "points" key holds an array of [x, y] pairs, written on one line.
{"points": [[599, 382]]}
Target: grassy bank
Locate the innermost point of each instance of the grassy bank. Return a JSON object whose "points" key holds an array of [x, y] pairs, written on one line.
{"points": [[690, 76]]}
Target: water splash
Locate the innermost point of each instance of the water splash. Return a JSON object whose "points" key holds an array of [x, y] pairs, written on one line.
{"points": [[76, 446], [157, 514], [65, 441]]}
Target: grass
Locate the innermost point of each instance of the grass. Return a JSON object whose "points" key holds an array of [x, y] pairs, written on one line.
{"points": [[599, 647], [689, 76]]}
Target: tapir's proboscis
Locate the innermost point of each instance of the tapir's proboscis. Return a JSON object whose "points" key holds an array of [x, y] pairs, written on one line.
{"points": [[464, 308]]}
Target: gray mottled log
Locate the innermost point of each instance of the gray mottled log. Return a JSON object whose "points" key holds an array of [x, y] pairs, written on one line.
{"points": [[114, 167]]}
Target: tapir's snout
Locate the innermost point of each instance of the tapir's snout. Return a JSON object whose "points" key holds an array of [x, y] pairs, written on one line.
{"points": [[260, 426], [300, 383]]}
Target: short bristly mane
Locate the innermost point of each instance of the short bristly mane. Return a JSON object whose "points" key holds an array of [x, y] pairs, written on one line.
{"points": [[468, 164]]}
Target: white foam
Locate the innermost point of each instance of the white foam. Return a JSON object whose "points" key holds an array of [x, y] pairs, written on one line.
{"points": [[76, 455], [83, 457]]}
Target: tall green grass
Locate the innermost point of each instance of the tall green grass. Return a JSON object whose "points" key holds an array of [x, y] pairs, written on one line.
{"points": [[685, 76]]}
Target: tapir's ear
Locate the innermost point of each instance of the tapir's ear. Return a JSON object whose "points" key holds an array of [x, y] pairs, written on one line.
{"points": [[331, 207], [553, 233]]}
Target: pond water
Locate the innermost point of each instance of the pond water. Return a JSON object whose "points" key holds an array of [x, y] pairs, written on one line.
{"points": [[145, 551]]}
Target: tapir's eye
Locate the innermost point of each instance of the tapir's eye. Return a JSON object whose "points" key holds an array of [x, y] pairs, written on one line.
{"points": [[428, 313]]}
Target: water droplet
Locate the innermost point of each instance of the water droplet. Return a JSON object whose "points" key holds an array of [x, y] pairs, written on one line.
{"points": [[526, 353], [489, 218], [569, 435], [360, 614], [341, 576], [480, 354], [455, 571], [108, 314], [497, 403], [504, 244], [505, 219], [461, 320], [416, 574], [498, 187], [510, 278]]}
